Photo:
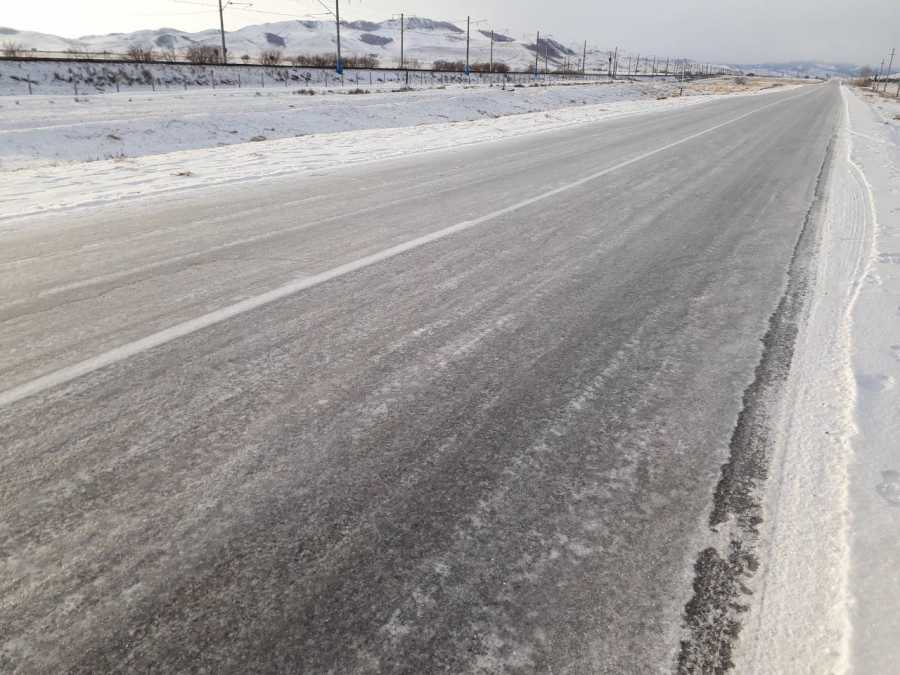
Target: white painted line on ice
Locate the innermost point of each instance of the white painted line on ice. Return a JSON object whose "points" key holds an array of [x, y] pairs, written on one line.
{"points": [[123, 352]]}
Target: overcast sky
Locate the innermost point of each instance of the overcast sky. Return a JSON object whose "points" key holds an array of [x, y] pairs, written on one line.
{"points": [[736, 31]]}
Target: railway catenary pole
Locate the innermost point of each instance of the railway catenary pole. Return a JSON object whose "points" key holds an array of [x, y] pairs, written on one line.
{"points": [[491, 63], [468, 25], [337, 20], [222, 31], [888, 73]]}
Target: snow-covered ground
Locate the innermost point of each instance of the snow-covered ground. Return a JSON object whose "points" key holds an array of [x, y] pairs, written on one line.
{"points": [[36, 130], [875, 472], [831, 603], [24, 78], [403, 124]]}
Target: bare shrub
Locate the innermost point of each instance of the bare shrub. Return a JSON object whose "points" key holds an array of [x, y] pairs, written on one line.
{"points": [[314, 60], [203, 54], [361, 62], [741, 80], [270, 57], [449, 66], [330, 61], [142, 54], [12, 49], [486, 67]]}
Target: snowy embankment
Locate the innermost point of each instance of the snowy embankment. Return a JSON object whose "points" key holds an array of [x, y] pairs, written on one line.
{"points": [[829, 593], [377, 127], [39, 130], [875, 472]]}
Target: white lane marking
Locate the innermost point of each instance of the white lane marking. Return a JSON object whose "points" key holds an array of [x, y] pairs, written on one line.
{"points": [[69, 373]]}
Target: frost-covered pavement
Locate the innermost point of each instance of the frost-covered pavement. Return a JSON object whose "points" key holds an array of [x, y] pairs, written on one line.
{"points": [[404, 124], [461, 411]]}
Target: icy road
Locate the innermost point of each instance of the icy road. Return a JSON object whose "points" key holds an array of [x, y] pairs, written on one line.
{"points": [[465, 411]]}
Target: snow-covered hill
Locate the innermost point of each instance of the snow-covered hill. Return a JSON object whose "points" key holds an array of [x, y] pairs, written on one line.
{"points": [[425, 42], [800, 69]]}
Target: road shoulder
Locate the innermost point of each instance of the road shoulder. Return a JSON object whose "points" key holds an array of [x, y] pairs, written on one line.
{"points": [[875, 472]]}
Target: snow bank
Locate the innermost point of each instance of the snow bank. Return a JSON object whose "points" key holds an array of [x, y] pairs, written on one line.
{"points": [[39, 130], [875, 473], [800, 614]]}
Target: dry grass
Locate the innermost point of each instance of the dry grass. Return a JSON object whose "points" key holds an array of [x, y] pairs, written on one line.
{"points": [[729, 85]]}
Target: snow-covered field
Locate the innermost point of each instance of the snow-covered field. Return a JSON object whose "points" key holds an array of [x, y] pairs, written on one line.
{"points": [[25, 78], [317, 133], [36, 130]]}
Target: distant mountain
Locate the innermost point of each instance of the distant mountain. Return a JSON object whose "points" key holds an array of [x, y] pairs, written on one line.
{"points": [[800, 69], [425, 40]]}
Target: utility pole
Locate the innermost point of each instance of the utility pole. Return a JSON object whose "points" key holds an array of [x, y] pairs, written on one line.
{"points": [[491, 66], [537, 52], [667, 67], [890, 65], [468, 22], [401, 40], [878, 77], [337, 20], [222, 28], [584, 60], [615, 64], [546, 56], [637, 65]]}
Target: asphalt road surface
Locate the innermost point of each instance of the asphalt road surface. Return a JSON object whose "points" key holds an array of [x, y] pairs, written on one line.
{"points": [[460, 412]]}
